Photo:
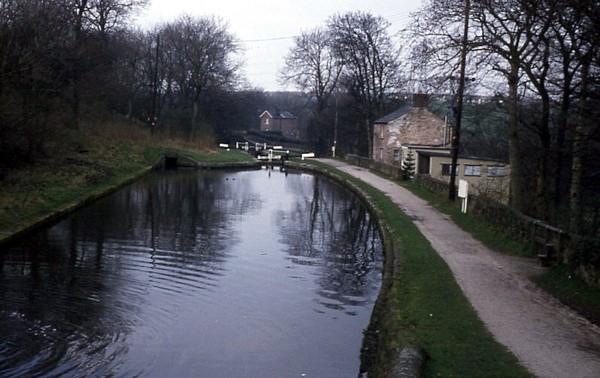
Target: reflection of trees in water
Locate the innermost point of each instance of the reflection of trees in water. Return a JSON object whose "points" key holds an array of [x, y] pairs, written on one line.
{"points": [[77, 286], [332, 229]]}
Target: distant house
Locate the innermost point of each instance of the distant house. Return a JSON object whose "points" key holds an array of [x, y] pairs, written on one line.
{"points": [[414, 129], [284, 122]]}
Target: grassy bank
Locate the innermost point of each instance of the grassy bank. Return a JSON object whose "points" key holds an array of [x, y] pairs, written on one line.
{"points": [[493, 237], [91, 165], [572, 291], [558, 281], [424, 305]]}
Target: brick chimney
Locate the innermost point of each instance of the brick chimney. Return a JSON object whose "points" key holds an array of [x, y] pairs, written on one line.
{"points": [[420, 100]]}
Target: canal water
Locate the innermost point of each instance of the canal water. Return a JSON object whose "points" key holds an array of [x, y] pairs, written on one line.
{"points": [[195, 274]]}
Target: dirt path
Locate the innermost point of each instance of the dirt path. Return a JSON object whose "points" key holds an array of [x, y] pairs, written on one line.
{"points": [[548, 338]]}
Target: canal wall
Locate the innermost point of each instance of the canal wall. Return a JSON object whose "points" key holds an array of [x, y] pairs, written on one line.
{"points": [[376, 353]]}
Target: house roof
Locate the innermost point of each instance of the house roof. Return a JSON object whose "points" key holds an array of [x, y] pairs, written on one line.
{"points": [[461, 156], [393, 115], [433, 153], [265, 112], [286, 115], [428, 147], [278, 115]]}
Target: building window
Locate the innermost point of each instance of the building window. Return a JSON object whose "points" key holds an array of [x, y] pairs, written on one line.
{"points": [[381, 154], [472, 170], [266, 121], [381, 131], [397, 156], [496, 171], [447, 169]]}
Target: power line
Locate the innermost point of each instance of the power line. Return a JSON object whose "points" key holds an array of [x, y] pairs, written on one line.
{"points": [[266, 39]]}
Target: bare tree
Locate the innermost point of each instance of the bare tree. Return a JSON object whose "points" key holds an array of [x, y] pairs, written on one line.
{"points": [[313, 66], [107, 15], [198, 55], [504, 31], [371, 64], [586, 30], [32, 73]]}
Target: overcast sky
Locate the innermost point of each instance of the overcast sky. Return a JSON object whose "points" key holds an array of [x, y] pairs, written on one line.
{"points": [[266, 27]]}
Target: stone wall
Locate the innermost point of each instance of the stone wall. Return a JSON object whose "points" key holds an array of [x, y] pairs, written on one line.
{"points": [[417, 127], [522, 227], [578, 252]]}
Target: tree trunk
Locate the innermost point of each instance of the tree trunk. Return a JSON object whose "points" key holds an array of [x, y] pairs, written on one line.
{"points": [[579, 141], [130, 109], [76, 65], [542, 195], [516, 170], [194, 120], [369, 137], [563, 118]]}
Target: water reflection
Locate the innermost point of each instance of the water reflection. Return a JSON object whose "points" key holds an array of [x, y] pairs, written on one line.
{"points": [[333, 230], [185, 273]]}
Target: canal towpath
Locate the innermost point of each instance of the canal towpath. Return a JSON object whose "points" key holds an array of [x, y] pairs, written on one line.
{"points": [[548, 338]]}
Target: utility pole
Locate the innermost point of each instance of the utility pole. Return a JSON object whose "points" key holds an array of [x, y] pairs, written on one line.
{"points": [[154, 116], [335, 125], [459, 103]]}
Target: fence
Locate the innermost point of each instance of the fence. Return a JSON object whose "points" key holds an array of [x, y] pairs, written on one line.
{"points": [[390, 170]]}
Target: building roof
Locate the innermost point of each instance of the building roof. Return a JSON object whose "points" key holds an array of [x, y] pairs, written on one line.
{"points": [[393, 115], [461, 156], [278, 115], [286, 115], [428, 147]]}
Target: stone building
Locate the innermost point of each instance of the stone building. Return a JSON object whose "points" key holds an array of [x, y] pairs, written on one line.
{"points": [[414, 129], [409, 128], [280, 122]]}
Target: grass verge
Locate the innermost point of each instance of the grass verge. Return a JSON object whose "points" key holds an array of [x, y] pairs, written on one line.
{"points": [[493, 237], [557, 281], [219, 156], [90, 167], [572, 291], [423, 305]]}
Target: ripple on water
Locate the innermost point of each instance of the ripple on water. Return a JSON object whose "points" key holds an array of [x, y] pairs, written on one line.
{"points": [[157, 280]]}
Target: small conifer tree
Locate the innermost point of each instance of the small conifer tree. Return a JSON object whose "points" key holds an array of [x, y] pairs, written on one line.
{"points": [[408, 166]]}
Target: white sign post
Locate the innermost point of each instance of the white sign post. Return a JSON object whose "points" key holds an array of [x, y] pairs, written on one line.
{"points": [[463, 189]]}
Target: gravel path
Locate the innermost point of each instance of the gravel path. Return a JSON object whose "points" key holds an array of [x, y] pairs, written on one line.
{"points": [[547, 337]]}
